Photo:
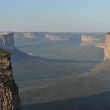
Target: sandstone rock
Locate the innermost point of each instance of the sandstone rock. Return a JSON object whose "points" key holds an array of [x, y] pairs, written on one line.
{"points": [[63, 37], [9, 99], [93, 39], [107, 47]]}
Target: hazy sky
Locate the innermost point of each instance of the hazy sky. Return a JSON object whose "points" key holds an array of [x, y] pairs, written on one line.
{"points": [[55, 15]]}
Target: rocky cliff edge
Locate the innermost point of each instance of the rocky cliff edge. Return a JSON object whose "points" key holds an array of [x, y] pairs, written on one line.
{"points": [[9, 98]]}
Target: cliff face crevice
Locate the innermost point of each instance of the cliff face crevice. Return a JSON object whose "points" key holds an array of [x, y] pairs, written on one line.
{"points": [[9, 98]]}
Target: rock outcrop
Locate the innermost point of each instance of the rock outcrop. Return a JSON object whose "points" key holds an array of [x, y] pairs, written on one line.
{"points": [[29, 35], [107, 47], [63, 37], [56, 37], [9, 98], [7, 41], [93, 39]]}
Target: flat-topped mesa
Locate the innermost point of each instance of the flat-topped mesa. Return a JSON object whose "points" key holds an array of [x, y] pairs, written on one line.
{"points": [[107, 47], [7, 40], [9, 99], [96, 40], [75, 38], [90, 38], [56, 37]]}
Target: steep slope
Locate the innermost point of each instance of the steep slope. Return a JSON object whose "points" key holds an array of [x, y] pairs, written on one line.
{"points": [[7, 40], [9, 99]]}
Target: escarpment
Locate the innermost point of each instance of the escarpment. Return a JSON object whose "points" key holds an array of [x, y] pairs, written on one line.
{"points": [[9, 98], [96, 40], [107, 47], [7, 41], [76, 38]]}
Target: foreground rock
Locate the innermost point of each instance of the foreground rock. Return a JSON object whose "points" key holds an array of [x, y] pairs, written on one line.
{"points": [[9, 99]]}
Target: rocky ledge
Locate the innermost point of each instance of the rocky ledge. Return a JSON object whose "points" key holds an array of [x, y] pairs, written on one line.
{"points": [[9, 98]]}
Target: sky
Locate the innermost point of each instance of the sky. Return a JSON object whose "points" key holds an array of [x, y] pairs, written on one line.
{"points": [[55, 15]]}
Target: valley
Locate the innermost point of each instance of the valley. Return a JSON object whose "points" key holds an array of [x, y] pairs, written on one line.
{"points": [[60, 71]]}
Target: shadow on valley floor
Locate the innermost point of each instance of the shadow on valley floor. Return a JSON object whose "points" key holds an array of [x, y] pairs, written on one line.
{"points": [[97, 102], [66, 61], [19, 55]]}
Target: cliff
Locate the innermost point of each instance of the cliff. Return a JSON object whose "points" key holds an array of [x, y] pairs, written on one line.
{"points": [[63, 37], [7, 41], [96, 40], [107, 47], [29, 35], [9, 99], [56, 37]]}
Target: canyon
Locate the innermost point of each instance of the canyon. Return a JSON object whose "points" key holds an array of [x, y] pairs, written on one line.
{"points": [[46, 70], [97, 40]]}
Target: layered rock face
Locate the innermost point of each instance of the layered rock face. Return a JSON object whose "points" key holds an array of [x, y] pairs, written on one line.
{"points": [[93, 39], [7, 41], [9, 99], [107, 47], [63, 37], [56, 37], [60, 36], [89, 38], [29, 35]]}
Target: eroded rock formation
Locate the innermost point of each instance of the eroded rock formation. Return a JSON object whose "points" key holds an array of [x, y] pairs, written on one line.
{"points": [[7, 41], [63, 37], [96, 40], [9, 99], [107, 47]]}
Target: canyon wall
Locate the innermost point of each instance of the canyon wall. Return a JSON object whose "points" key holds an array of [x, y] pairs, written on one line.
{"points": [[29, 35], [7, 41], [9, 99], [107, 47], [88, 38], [96, 40], [57, 36], [63, 37]]}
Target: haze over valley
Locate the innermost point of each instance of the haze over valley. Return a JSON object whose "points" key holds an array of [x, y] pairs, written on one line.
{"points": [[77, 74], [54, 55]]}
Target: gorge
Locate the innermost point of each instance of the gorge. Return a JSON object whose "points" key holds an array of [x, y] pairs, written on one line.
{"points": [[48, 74]]}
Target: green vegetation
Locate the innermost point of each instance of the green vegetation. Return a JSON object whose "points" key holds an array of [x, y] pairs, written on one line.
{"points": [[43, 81], [94, 82], [65, 50]]}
